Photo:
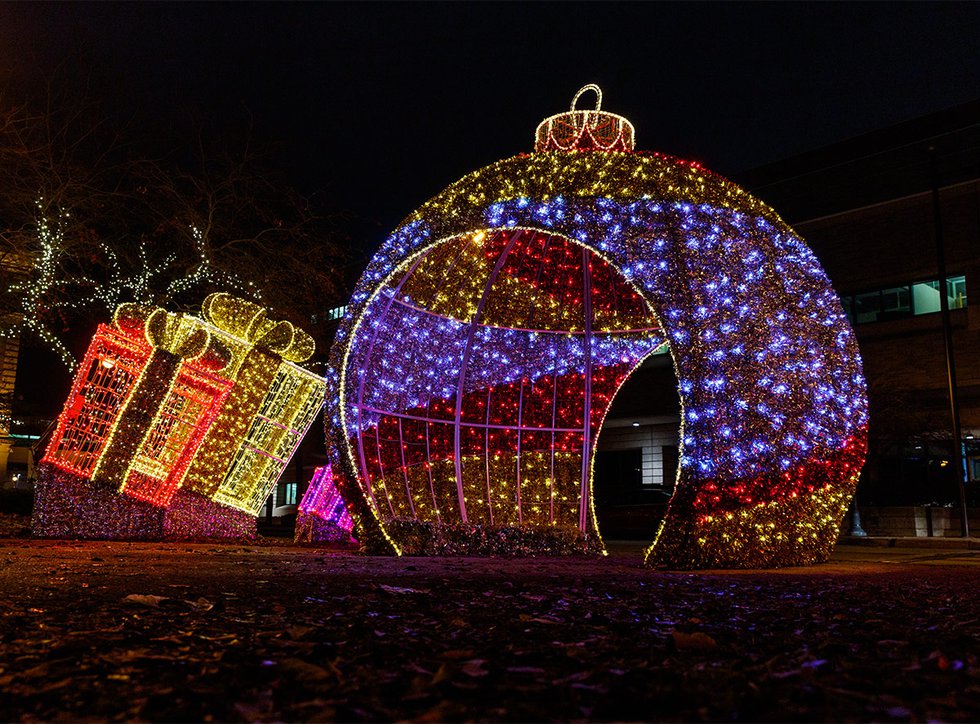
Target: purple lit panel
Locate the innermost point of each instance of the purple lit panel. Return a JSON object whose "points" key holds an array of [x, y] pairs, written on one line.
{"points": [[323, 502]]}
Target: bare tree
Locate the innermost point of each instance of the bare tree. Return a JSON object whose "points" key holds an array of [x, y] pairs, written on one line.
{"points": [[89, 219]]}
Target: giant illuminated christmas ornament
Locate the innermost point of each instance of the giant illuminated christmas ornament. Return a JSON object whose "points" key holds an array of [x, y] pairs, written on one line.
{"points": [[487, 338], [177, 426]]}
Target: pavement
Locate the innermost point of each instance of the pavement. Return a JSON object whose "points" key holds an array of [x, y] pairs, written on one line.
{"points": [[104, 631], [865, 554], [910, 541], [908, 550]]}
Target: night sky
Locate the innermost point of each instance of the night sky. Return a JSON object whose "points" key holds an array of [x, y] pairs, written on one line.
{"points": [[379, 106]]}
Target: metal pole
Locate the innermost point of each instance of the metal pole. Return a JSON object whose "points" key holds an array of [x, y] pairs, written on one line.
{"points": [[856, 530], [954, 403], [587, 424]]}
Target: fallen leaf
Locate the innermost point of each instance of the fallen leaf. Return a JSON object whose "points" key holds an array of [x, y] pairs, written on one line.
{"points": [[303, 671], [145, 600], [696, 641], [151, 601], [474, 668], [455, 654], [524, 670], [298, 632], [398, 590], [441, 675]]}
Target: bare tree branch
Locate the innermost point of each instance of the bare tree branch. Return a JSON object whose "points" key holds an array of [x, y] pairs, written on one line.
{"points": [[88, 219]]}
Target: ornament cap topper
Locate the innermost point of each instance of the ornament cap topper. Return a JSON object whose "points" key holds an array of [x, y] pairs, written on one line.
{"points": [[594, 130]]}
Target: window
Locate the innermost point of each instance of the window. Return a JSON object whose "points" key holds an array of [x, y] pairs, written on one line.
{"points": [[904, 301], [866, 307], [973, 469], [926, 296], [971, 456], [330, 315], [286, 494], [957, 292], [895, 303]]}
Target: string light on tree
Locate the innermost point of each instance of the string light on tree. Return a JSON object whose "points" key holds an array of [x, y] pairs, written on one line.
{"points": [[33, 291], [143, 283]]}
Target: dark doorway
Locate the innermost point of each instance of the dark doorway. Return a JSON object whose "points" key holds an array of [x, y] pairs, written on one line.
{"points": [[626, 508], [618, 477], [635, 462], [669, 458]]}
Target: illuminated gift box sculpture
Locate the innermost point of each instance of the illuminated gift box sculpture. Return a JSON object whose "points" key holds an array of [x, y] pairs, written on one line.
{"points": [[177, 426], [487, 338], [322, 513]]}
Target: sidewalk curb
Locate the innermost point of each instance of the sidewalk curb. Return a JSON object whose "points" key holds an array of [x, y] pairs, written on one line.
{"points": [[909, 542]]}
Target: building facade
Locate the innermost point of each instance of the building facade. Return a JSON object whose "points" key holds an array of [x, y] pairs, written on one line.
{"points": [[874, 209]]}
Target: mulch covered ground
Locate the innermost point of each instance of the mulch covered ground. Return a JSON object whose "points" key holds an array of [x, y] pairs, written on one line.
{"points": [[205, 632]]}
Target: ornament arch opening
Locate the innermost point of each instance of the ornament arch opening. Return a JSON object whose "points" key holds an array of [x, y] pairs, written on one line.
{"points": [[638, 451], [483, 368]]}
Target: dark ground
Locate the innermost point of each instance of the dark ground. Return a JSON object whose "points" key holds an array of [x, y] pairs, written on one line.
{"points": [[109, 631]]}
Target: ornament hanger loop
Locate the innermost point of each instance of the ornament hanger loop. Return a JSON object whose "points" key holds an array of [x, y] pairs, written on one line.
{"points": [[585, 130], [589, 87]]}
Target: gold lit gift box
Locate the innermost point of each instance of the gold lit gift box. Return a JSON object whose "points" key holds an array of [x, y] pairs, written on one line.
{"points": [[267, 412]]}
